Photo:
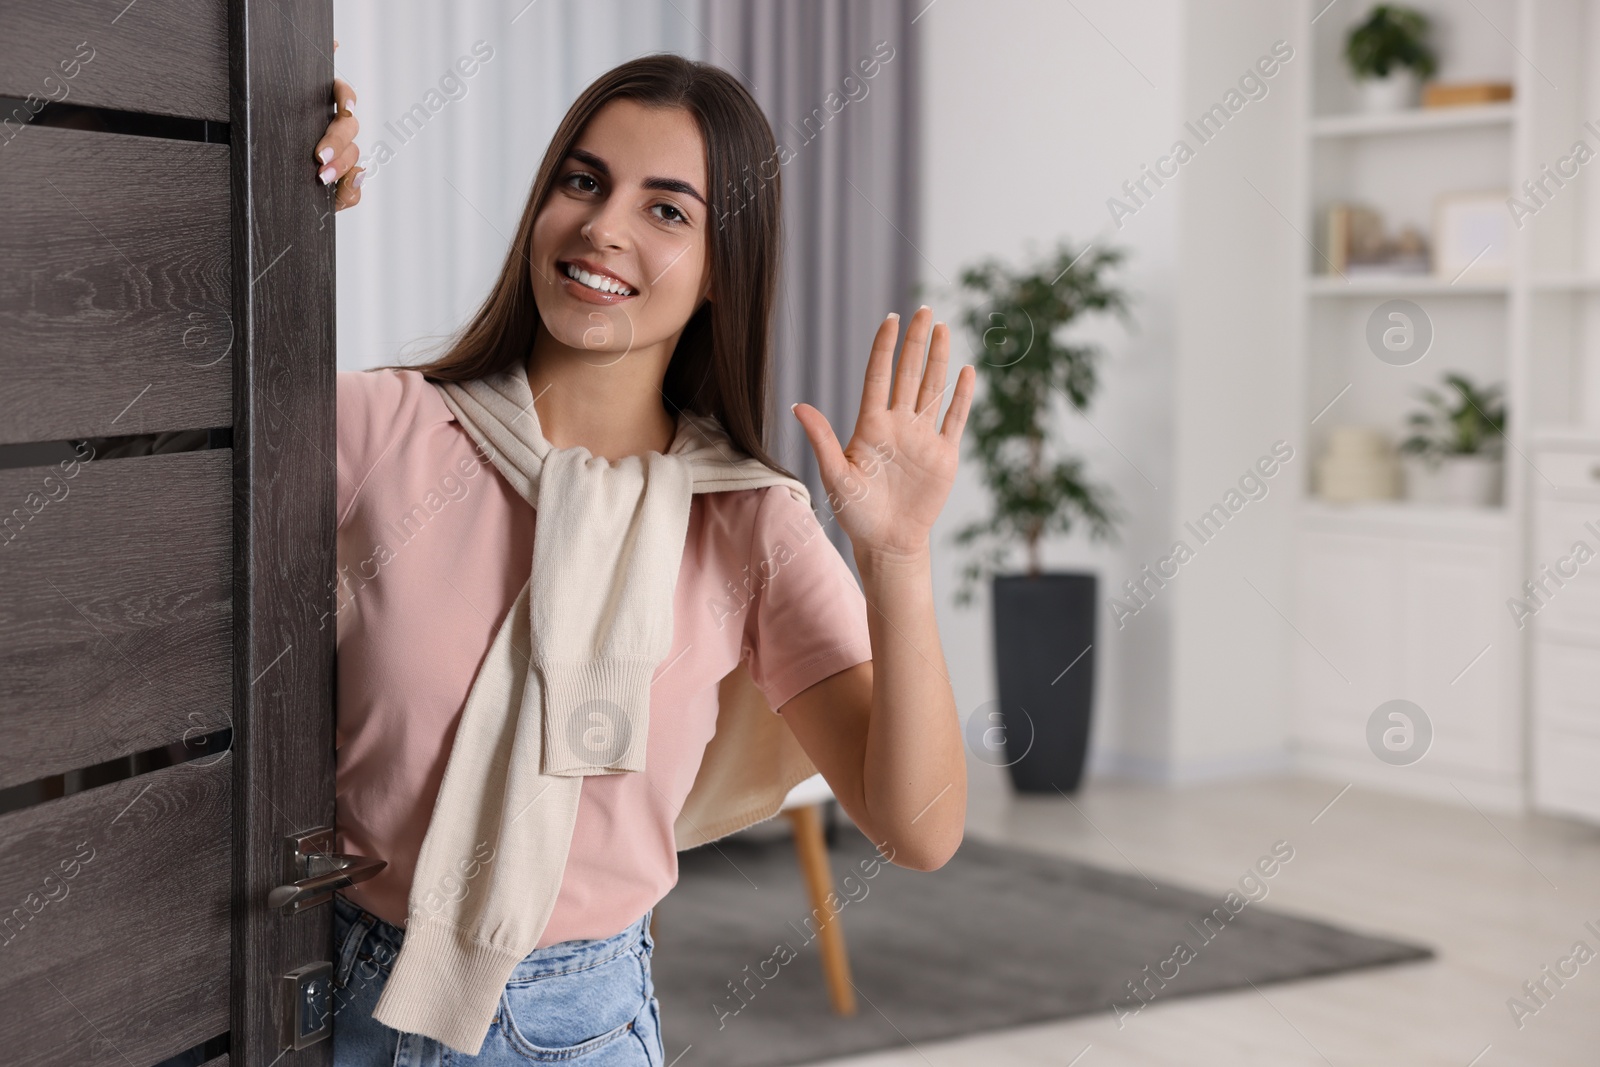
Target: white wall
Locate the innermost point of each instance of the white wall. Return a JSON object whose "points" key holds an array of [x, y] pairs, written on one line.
{"points": [[1035, 115], [1237, 251]]}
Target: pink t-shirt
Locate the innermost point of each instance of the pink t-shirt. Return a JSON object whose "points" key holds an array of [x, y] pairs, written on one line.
{"points": [[434, 545]]}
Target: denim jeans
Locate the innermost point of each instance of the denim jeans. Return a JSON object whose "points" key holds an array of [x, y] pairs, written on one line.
{"points": [[589, 1002]]}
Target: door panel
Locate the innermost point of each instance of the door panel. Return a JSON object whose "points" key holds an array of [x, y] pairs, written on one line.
{"points": [[115, 285], [170, 60], [116, 614], [166, 326], [116, 933]]}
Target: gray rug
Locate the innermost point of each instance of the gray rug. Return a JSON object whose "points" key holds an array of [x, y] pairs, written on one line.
{"points": [[998, 937]]}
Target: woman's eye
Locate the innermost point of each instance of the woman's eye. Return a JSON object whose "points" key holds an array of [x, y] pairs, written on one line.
{"points": [[677, 216], [579, 176]]}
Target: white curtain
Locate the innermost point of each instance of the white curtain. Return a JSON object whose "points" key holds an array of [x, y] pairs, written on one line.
{"points": [[457, 102]]}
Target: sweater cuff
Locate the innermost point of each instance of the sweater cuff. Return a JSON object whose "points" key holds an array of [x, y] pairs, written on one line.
{"points": [[596, 716], [445, 985]]}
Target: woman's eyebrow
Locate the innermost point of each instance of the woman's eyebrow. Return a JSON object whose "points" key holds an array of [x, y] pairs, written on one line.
{"points": [[671, 185]]}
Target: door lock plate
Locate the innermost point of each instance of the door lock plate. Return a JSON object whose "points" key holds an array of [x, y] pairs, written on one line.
{"points": [[308, 1005]]}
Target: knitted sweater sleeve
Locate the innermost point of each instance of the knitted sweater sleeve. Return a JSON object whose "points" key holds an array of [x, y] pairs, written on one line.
{"points": [[809, 618]]}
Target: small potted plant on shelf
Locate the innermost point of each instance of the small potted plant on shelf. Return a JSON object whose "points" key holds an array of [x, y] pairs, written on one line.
{"points": [[1043, 621], [1455, 453], [1390, 56]]}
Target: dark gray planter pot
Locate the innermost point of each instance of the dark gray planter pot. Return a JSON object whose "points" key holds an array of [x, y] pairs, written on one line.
{"points": [[1041, 625]]}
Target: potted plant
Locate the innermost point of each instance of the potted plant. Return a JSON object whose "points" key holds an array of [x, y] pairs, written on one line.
{"points": [[1043, 622], [1455, 453], [1390, 56]]}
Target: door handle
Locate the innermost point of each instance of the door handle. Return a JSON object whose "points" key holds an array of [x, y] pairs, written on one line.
{"points": [[313, 871]]}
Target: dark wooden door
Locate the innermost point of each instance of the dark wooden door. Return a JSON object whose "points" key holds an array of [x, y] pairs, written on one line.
{"points": [[166, 524]]}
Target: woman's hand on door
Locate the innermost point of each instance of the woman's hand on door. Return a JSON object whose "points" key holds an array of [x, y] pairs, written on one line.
{"points": [[337, 153]]}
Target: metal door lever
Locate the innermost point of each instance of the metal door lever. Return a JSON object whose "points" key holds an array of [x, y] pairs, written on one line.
{"points": [[313, 871]]}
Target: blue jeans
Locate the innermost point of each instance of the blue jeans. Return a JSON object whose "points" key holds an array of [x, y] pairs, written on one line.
{"points": [[590, 1002]]}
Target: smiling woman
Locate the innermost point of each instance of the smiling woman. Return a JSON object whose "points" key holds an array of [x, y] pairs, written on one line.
{"points": [[616, 379], [621, 255], [623, 194]]}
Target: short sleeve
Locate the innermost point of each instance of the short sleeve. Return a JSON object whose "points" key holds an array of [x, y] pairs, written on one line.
{"points": [[809, 618], [369, 415]]}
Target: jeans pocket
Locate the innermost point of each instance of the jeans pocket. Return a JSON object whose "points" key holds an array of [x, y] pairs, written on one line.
{"points": [[559, 1017]]}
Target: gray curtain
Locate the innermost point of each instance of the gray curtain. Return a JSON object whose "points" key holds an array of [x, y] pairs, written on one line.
{"points": [[850, 190]]}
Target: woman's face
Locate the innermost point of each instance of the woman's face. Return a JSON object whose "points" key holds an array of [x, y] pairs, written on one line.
{"points": [[628, 208]]}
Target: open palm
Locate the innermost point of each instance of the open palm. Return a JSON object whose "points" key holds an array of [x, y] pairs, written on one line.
{"points": [[888, 485]]}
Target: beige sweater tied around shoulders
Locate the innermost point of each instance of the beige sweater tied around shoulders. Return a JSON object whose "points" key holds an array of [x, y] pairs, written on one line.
{"points": [[564, 692]]}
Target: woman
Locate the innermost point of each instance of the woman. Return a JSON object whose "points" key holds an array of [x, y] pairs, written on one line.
{"points": [[639, 288]]}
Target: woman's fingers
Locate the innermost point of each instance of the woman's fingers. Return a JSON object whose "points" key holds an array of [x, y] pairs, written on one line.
{"points": [[335, 147], [339, 165], [932, 391], [344, 97], [348, 175], [880, 367], [339, 135], [337, 153], [909, 373], [348, 192], [956, 417]]}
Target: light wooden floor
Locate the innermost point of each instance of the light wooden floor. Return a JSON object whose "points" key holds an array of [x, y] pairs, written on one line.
{"points": [[1498, 900]]}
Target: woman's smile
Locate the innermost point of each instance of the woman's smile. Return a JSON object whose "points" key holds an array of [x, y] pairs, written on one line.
{"points": [[585, 281]]}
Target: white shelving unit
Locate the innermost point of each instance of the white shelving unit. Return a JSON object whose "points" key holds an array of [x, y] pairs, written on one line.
{"points": [[1414, 121], [1398, 600]]}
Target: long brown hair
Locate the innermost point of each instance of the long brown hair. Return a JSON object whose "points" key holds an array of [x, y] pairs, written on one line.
{"points": [[722, 365]]}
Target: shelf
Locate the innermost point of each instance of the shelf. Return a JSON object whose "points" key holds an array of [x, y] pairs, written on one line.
{"points": [[1402, 517], [1574, 436], [1575, 283], [1401, 285], [1415, 120]]}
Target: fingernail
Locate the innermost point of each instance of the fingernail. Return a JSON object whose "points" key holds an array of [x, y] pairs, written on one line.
{"points": [[326, 174], [924, 307], [894, 315], [349, 105], [361, 176], [794, 405], [326, 155]]}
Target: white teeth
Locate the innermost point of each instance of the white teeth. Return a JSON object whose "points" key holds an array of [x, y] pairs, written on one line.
{"points": [[597, 281]]}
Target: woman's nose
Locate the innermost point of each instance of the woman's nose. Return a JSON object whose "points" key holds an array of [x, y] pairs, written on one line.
{"points": [[604, 229]]}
